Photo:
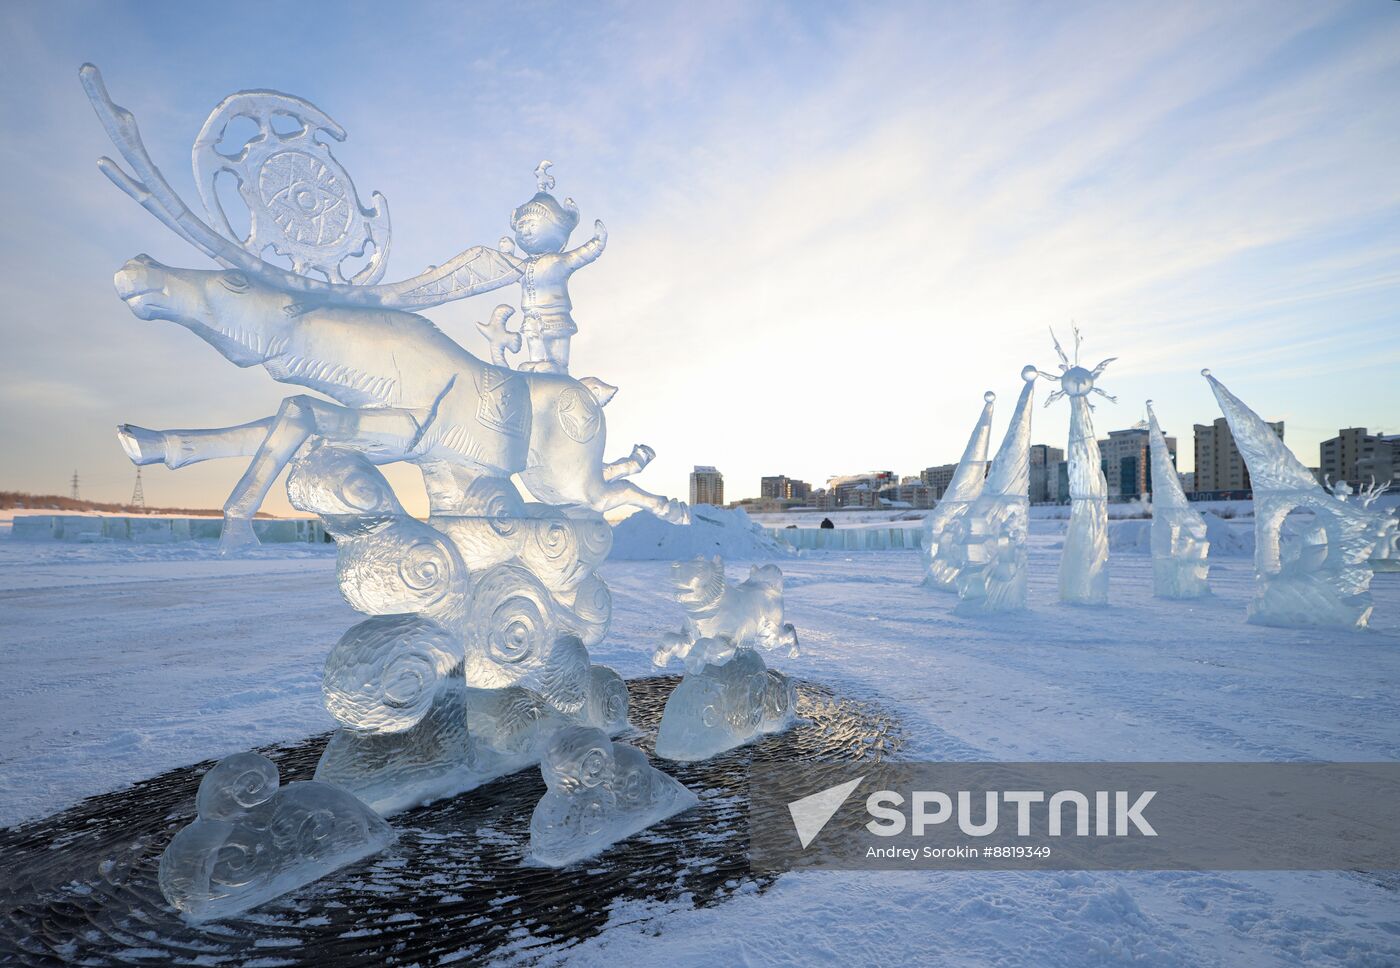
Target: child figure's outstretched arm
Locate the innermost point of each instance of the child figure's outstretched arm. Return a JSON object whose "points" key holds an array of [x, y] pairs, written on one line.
{"points": [[590, 250]]}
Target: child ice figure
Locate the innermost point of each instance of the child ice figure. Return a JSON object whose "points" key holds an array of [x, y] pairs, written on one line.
{"points": [[542, 226]]}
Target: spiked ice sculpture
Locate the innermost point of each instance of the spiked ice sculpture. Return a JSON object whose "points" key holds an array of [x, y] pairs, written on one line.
{"points": [[600, 792], [728, 695], [475, 649], [1179, 544], [1318, 574], [986, 544], [962, 490], [1084, 562]]}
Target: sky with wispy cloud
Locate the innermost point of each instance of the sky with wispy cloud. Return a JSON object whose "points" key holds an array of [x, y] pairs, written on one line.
{"points": [[832, 226]]}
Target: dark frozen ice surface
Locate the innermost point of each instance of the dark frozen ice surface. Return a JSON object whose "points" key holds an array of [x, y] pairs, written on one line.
{"points": [[80, 886]]}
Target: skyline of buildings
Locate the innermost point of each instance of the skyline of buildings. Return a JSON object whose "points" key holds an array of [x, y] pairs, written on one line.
{"points": [[1354, 456]]}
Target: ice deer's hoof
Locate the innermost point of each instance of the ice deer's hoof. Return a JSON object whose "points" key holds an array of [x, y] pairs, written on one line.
{"points": [[141, 445], [677, 512], [643, 454], [237, 537]]}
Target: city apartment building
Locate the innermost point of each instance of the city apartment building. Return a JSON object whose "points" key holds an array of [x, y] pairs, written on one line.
{"points": [[706, 486], [1219, 466]]}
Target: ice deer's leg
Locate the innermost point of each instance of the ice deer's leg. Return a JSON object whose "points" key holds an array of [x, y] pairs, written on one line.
{"points": [[294, 423], [616, 494], [641, 457], [178, 448]]}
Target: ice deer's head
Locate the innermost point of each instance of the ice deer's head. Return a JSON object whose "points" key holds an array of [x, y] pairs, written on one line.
{"points": [[241, 318]]}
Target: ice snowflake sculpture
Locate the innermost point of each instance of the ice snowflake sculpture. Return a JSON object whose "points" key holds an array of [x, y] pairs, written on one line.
{"points": [[474, 651], [962, 490], [254, 841], [1084, 562], [985, 545], [1319, 573], [1179, 545], [599, 792], [728, 695]]}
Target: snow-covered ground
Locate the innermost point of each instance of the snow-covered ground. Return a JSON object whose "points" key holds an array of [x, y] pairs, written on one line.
{"points": [[117, 662]]}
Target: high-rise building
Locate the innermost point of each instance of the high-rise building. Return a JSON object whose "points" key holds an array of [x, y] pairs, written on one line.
{"points": [[1127, 462], [1355, 456], [780, 487], [1044, 486], [938, 478], [1382, 465], [706, 486], [1219, 466]]}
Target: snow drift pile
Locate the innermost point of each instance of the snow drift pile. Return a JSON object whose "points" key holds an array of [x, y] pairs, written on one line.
{"points": [[726, 532]]}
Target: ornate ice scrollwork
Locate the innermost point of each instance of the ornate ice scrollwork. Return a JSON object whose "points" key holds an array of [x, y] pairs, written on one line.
{"points": [[511, 628], [300, 200], [384, 673], [404, 566]]}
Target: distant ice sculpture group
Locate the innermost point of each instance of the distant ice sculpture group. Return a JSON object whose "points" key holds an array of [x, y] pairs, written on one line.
{"points": [[473, 660], [728, 695]]}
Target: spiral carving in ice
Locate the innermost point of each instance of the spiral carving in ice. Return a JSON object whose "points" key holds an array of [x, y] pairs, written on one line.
{"points": [[236, 784], [511, 627], [564, 678], [599, 792], [404, 566], [719, 707], [490, 525], [590, 612], [383, 673], [552, 550], [253, 840], [335, 481], [607, 700], [595, 537]]}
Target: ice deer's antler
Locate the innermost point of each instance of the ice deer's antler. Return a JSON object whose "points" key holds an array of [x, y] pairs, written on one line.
{"points": [[474, 270]]}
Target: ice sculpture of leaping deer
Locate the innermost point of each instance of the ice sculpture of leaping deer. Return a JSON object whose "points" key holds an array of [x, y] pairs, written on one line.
{"points": [[402, 389]]}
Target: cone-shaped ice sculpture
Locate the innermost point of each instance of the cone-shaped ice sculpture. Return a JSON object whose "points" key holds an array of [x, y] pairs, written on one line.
{"points": [[962, 491], [1179, 544], [1318, 573], [986, 544], [1084, 562]]}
